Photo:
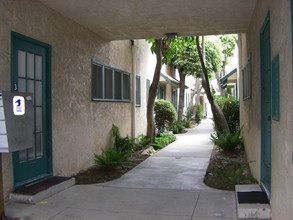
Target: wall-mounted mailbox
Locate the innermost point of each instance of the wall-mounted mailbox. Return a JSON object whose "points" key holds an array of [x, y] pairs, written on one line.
{"points": [[16, 121]]}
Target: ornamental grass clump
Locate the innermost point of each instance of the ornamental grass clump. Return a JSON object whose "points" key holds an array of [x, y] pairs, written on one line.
{"points": [[227, 141], [122, 144], [117, 155], [110, 159], [141, 142]]}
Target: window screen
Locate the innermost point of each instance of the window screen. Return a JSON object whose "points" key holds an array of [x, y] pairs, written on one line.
{"points": [[109, 84]]}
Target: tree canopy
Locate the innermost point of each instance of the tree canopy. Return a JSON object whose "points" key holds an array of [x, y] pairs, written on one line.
{"points": [[228, 45], [182, 56], [213, 58], [182, 53]]}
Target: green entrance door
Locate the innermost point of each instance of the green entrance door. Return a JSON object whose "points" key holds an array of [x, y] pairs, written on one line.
{"points": [[266, 107], [31, 73]]}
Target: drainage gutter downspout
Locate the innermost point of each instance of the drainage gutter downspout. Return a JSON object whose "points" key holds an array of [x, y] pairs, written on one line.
{"points": [[133, 107]]}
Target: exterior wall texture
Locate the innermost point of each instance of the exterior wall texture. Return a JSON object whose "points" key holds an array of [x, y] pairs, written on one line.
{"points": [[145, 67], [281, 43], [81, 127]]}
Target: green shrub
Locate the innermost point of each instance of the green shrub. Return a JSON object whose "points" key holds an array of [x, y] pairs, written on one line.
{"points": [[163, 140], [186, 123], [190, 113], [110, 159], [118, 154], [165, 113], [227, 141], [169, 137], [160, 143], [231, 175], [234, 174], [199, 113], [177, 127], [230, 108], [141, 141], [122, 144]]}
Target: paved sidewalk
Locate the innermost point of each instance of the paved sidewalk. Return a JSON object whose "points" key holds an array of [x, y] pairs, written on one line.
{"points": [[166, 186]]}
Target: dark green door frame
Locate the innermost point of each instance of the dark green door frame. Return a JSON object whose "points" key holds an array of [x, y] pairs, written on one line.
{"points": [[266, 99], [292, 43], [34, 59]]}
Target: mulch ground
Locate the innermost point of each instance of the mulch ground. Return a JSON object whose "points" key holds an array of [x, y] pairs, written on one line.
{"points": [[226, 170], [99, 175]]}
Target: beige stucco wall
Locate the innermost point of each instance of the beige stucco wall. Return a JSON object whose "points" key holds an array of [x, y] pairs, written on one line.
{"points": [[250, 108], [145, 67], [281, 43], [168, 92], [82, 127]]}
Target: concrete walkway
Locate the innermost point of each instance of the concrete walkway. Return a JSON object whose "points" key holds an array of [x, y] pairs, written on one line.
{"points": [[167, 186]]}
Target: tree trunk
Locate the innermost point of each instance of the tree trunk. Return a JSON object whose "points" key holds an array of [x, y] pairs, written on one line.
{"points": [[153, 92], [197, 99], [223, 74], [219, 118], [181, 95], [222, 91]]}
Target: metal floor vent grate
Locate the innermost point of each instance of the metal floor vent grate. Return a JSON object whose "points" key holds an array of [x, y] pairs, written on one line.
{"points": [[252, 197], [252, 202]]}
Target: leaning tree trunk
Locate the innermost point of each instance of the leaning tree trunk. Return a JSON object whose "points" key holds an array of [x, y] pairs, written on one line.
{"points": [[197, 98], [153, 92], [181, 95], [222, 91], [219, 118], [223, 73]]}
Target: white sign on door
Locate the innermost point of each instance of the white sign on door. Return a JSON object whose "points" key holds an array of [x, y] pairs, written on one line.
{"points": [[18, 105]]}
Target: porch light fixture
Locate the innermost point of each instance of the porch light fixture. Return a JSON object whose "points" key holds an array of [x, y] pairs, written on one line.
{"points": [[171, 35]]}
